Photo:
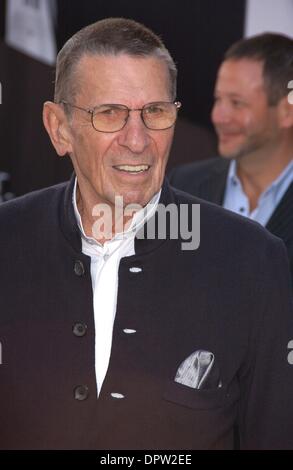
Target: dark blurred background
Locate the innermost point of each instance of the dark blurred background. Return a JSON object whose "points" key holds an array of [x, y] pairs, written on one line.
{"points": [[197, 33]]}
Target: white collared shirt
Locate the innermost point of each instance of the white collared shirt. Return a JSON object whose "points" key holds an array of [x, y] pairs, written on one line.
{"points": [[236, 200], [105, 261]]}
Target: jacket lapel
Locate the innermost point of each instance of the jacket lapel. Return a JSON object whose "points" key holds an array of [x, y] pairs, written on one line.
{"points": [[281, 221], [212, 188]]}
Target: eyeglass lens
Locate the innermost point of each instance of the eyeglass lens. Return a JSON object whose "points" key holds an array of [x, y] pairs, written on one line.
{"points": [[157, 116]]}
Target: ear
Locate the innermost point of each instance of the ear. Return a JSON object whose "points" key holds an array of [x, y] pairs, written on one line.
{"points": [[56, 124], [285, 113]]}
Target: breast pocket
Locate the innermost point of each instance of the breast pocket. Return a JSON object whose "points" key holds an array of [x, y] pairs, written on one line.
{"points": [[201, 399]]}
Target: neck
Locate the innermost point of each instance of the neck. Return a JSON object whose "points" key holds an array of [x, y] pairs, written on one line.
{"points": [[102, 220], [257, 172]]}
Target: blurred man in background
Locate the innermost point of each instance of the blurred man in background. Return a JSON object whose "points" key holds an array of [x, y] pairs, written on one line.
{"points": [[254, 123]]}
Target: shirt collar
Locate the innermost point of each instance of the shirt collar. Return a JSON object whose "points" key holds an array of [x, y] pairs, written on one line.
{"points": [[275, 186], [279, 180], [137, 222], [232, 175]]}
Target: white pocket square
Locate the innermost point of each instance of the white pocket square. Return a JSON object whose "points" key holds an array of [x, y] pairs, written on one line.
{"points": [[199, 371]]}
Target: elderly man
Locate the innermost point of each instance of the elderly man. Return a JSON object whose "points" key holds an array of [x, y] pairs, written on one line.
{"points": [[253, 119], [114, 340]]}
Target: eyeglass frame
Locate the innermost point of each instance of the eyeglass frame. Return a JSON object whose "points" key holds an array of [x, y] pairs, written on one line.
{"points": [[91, 111]]}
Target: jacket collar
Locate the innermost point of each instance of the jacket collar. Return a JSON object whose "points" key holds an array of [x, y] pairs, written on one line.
{"points": [[212, 188], [281, 221], [145, 244], [72, 233], [68, 220]]}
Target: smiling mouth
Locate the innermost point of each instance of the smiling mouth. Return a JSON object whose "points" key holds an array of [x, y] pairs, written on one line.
{"points": [[228, 134], [132, 169]]}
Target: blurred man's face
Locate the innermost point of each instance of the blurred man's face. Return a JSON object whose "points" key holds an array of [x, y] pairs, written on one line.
{"points": [[243, 120], [131, 162]]}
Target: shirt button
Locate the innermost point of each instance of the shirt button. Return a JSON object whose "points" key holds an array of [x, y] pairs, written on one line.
{"points": [[117, 396], [79, 268], [81, 392], [106, 257], [242, 209], [79, 329]]}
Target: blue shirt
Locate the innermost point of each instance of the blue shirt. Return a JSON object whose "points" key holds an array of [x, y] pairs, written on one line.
{"points": [[236, 200]]}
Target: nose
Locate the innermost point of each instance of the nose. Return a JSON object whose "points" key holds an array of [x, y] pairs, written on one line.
{"points": [[135, 136], [221, 113]]}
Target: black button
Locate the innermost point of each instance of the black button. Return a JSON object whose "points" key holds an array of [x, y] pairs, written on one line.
{"points": [[81, 392], [79, 268], [79, 329], [242, 209]]}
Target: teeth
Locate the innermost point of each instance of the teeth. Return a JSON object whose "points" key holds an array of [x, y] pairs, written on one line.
{"points": [[132, 168]]}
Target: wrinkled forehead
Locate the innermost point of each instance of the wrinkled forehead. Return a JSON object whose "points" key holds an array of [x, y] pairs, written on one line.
{"points": [[114, 75]]}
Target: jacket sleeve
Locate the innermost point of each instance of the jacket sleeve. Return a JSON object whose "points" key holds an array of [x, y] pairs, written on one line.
{"points": [[266, 378]]}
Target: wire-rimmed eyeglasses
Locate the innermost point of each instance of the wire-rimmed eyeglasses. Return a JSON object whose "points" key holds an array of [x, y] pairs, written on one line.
{"points": [[159, 115]]}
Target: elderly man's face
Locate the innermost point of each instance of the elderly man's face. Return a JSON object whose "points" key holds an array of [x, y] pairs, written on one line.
{"points": [[131, 162]]}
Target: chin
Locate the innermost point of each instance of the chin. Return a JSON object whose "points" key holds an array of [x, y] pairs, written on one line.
{"points": [[132, 199], [141, 196], [229, 154]]}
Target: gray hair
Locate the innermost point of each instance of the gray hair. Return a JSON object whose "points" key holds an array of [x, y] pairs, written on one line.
{"points": [[111, 36]]}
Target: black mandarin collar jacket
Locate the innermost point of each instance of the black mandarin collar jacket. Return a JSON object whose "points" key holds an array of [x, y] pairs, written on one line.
{"points": [[231, 297]]}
